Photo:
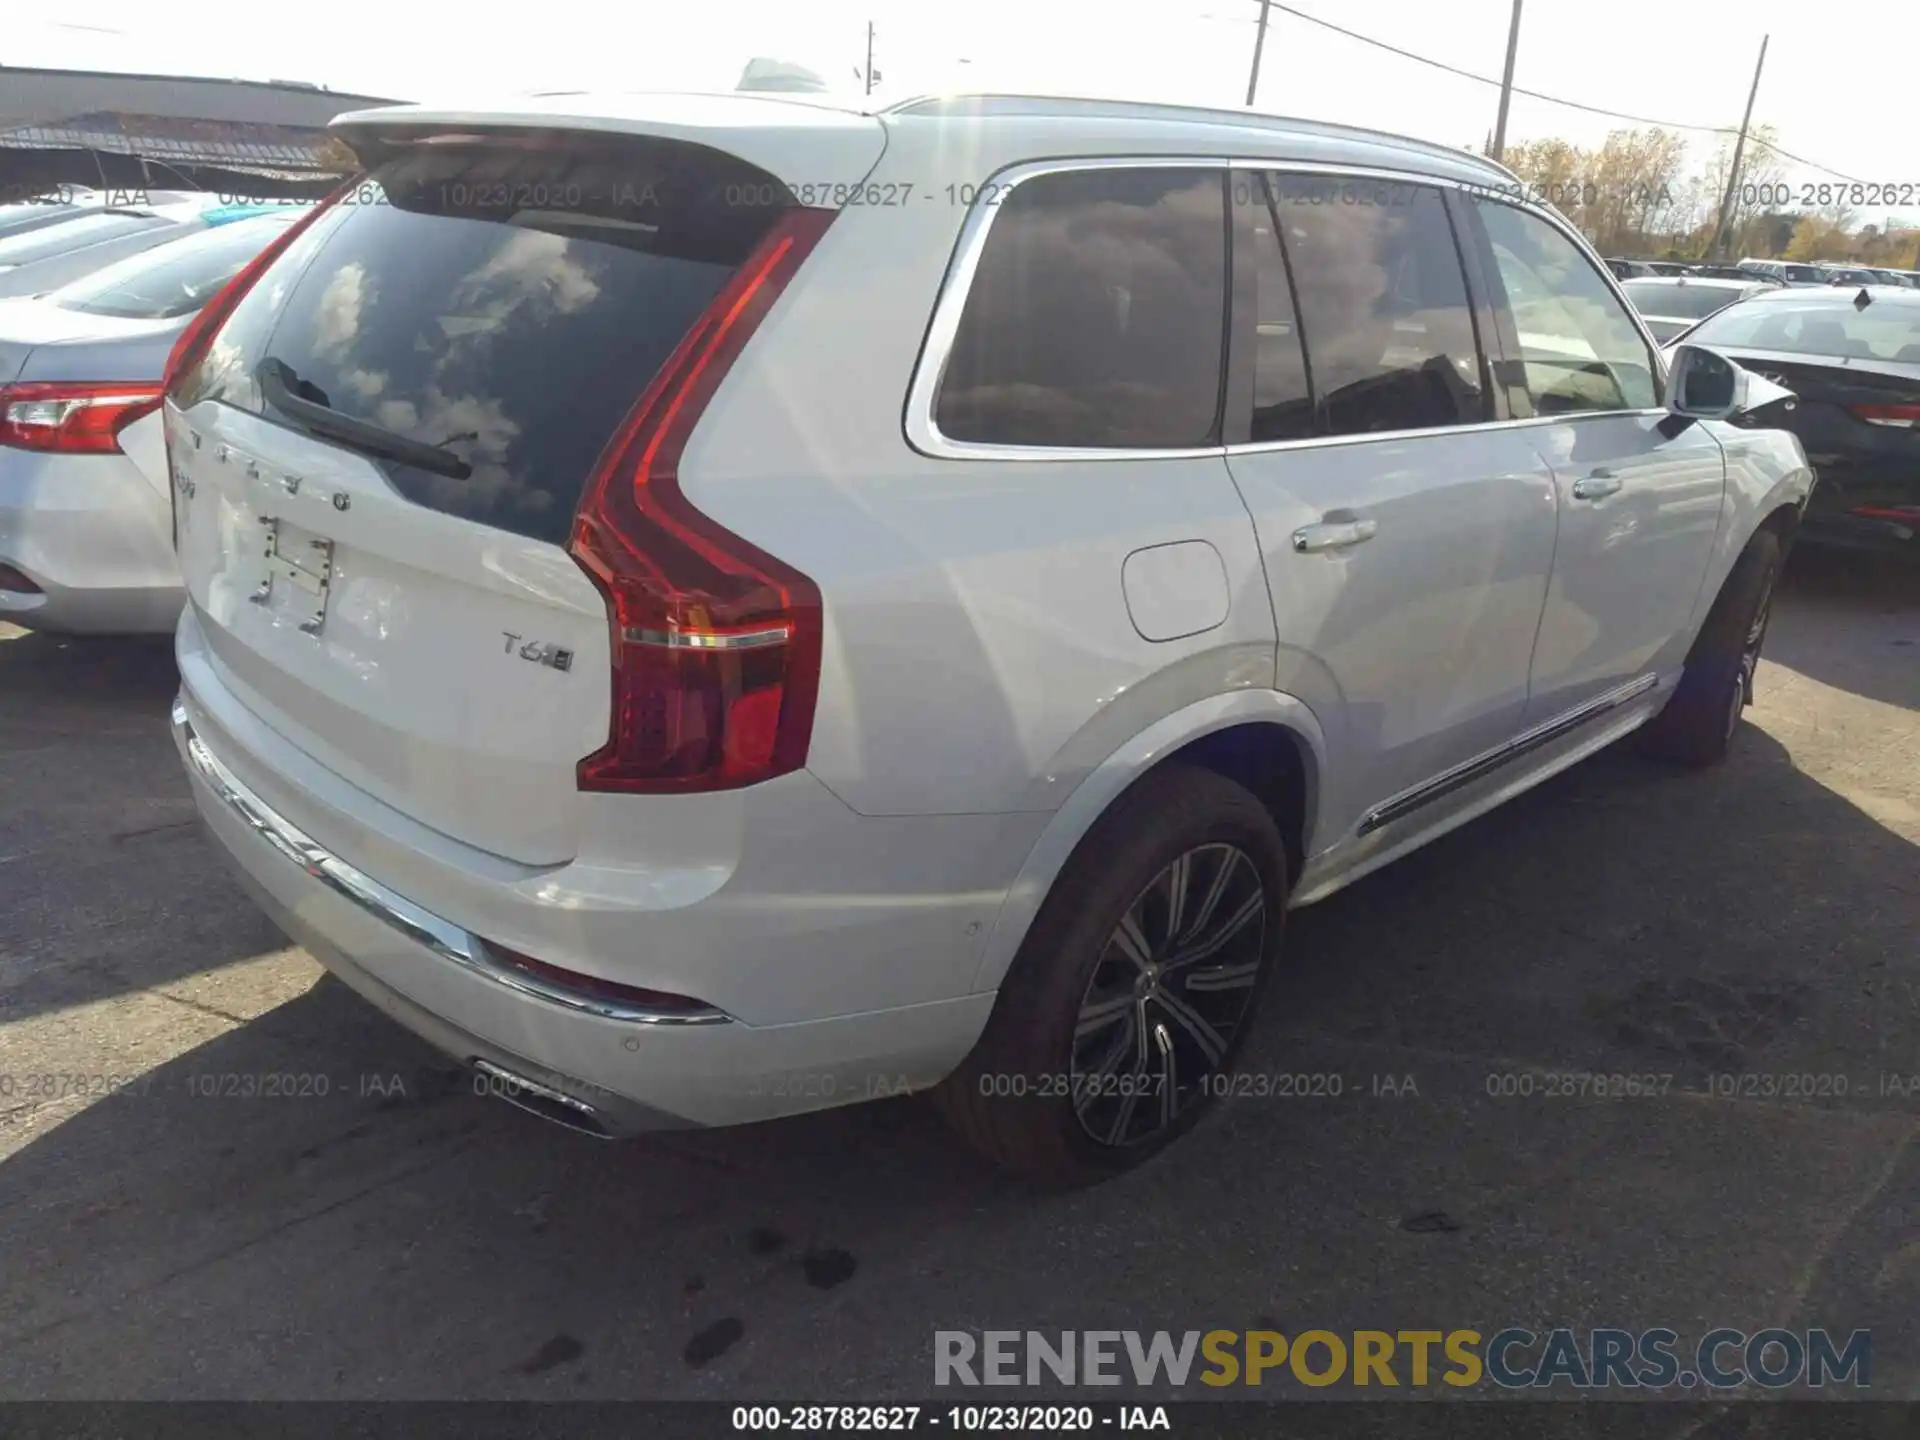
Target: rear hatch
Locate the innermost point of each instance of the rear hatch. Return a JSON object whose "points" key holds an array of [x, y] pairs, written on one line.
{"points": [[381, 453]]}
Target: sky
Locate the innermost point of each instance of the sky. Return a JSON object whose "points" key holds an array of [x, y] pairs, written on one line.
{"points": [[1831, 90]]}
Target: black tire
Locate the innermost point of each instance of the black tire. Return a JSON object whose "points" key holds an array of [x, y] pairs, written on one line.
{"points": [[1032, 1094], [1700, 720]]}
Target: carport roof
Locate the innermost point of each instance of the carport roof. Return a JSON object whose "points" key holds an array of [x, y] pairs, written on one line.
{"points": [[179, 141]]}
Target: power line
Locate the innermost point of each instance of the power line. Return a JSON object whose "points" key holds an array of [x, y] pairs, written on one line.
{"points": [[1551, 99]]}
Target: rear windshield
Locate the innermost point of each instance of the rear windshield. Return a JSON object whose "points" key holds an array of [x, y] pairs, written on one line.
{"points": [[1802, 272], [507, 302], [1883, 331], [173, 279], [71, 235], [1678, 302]]}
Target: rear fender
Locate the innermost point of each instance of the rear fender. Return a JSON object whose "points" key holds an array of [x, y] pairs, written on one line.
{"points": [[1092, 797]]}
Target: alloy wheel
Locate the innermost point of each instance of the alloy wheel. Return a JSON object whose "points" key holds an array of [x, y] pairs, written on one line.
{"points": [[1168, 995], [1750, 656]]}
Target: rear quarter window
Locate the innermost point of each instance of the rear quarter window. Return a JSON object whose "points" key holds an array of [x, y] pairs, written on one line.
{"points": [[1096, 316], [507, 302]]}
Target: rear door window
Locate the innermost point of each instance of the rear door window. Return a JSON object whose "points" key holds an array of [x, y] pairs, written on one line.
{"points": [[1097, 314], [507, 302], [1383, 304]]}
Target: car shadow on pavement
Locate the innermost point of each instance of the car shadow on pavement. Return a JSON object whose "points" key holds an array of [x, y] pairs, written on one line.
{"points": [[1851, 620], [312, 1205], [106, 885]]}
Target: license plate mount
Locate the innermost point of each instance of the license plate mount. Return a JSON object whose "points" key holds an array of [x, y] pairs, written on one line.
{"points": [[299, 564]]}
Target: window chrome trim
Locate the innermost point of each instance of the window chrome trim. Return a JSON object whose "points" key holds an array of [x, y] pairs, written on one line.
{"points": [[1488, 761], [445, 939], [923, 393], [1478, 427]]}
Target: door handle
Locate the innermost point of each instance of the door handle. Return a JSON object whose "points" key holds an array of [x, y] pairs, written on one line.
{"points": [[1597, 486], [1332, 535]]}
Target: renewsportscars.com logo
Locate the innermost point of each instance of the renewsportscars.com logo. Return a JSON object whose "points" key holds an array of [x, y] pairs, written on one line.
{"points": [[1513, 1359]]}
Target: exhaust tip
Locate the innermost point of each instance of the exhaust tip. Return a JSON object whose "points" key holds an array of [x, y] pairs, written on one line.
{"points": [[538, 1098]]}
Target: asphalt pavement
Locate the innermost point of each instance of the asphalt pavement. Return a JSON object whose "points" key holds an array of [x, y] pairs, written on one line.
{"points": [[383, 1232]]}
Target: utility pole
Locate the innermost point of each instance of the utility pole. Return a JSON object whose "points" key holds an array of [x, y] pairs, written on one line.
{"points": [[869, 57], [1499, 146], [1739, 148], [1259, 44]]}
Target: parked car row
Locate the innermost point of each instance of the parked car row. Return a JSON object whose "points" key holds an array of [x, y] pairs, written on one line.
{"points": [[698, 651], [1779, 272], [1625, 269], [1789, 273]]}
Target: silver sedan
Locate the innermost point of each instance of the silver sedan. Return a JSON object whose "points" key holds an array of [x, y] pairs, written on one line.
{"points": [[85, 505]]}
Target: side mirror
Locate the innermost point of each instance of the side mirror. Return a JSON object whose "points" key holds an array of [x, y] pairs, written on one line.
{"points": [[1704, 385]]}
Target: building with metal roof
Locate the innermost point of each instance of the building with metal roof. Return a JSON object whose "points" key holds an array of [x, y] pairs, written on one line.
{"points": [[115, 131]]}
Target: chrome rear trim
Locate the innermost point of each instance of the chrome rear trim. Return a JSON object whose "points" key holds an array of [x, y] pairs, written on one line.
{"points": [[553, 1105], [445, 939]]}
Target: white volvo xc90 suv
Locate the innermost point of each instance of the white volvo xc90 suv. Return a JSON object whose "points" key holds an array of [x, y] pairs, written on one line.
{"points": [[708, 607]]}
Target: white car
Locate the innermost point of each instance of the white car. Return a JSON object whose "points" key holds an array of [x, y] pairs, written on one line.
{"points": [[85, 516], [763, 605]]}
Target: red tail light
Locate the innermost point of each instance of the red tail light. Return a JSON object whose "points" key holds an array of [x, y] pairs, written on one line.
{"points": [[198, 335], [716, 645], [72, 419], [1905, 416]]}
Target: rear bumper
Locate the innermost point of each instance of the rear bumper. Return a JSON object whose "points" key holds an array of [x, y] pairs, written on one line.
{"points": [[95, 536], [604, 1070]]}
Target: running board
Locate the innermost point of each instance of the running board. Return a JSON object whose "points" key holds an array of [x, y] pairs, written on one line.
{"points": [[1481, 766]]}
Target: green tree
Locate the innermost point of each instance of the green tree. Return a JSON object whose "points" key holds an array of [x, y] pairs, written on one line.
{"points": [[1818, 237]]}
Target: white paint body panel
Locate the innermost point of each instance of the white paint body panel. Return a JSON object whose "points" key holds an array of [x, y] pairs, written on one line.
{"points": [[1628, 566], [94, 533], [410, 692], [1009, 643], [1413, 647], [1176, 590]]}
